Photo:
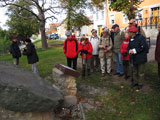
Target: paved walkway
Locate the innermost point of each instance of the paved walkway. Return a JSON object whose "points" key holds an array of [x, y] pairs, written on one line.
{"points": [[151, 54]]}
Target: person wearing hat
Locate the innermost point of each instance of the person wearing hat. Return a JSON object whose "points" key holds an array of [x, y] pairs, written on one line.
{"points": [[31, 54], [71, 50], [94, 39], [86, 55], [118, 38], [15, 51], [138, 50], [105, 52], [132, 22]]}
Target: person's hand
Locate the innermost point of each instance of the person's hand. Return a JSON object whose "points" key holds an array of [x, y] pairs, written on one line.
{"points": [[131, 51], [105, 50]]}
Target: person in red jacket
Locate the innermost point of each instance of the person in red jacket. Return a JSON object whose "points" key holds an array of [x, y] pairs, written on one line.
{"points": [[157, 51], [86, 54], [125, 54], [71, 50]]}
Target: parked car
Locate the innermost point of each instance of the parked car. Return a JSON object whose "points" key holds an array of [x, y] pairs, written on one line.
{"points": [[53, 36]]}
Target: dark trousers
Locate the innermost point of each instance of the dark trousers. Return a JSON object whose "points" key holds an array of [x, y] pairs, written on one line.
{"points": [[95, 62], [70, 61], [126, 67], [159, 70]]}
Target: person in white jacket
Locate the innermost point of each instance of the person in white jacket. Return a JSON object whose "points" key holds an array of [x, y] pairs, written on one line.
{"points": [[95, 62]]}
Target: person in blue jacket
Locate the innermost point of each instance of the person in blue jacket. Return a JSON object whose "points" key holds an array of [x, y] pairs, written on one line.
{"points": [[138, 50]]}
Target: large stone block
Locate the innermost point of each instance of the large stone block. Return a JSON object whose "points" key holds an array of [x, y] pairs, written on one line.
{"points": [[24, 91]]}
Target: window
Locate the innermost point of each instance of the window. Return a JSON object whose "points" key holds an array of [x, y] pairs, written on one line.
{"points": [[125, 19], [102, 17], [139, 15], [112, 20]]}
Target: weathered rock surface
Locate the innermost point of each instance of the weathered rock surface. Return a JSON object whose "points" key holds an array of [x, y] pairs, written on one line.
{"points": [[23, 91]]}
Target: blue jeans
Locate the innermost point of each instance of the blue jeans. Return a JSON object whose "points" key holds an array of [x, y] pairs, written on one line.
{"points": [[119, 63]]}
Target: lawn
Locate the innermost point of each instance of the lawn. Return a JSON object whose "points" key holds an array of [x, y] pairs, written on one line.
{"points": [[121, 103]]}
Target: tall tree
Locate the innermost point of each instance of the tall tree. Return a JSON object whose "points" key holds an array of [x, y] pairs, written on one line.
{"points": [[129, 7], [75, 13], [18, 22], [39, 8]]}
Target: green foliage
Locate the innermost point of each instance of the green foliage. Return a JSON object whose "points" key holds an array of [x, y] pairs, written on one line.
{"points": [[129, 7], [4, 41], [98, 3], [75, 13], [21, 23]]}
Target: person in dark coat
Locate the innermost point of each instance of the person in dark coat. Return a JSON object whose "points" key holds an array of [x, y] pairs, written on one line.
{"points": [[15, 51], [157, 51], [138, 50], [31, 54]]}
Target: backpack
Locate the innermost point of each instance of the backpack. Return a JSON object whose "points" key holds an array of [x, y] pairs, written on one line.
{"points": [[66, 45]]}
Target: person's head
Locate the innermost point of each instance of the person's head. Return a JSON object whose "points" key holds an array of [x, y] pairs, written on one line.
{"points": [[27, 41], [69, 35], [159, 28], [115, 27], [132, 31], [105, 32], [127, 35], [14, 39], [132, 22], [94, 32]]}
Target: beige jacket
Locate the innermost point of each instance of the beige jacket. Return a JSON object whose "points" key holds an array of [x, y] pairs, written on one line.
{"points": [[105, 43]]}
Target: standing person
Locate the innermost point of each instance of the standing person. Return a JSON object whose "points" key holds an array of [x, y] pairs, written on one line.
{"points": [[15, 51], [71, 49], [125, 55], [132, 22], [118, 38], [157, 51], [105, 52], [94, 39], [31, 54], [138, 50], [86, 54]]}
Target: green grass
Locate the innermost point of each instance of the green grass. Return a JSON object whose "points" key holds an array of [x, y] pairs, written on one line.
{"points": [[120, 103]]}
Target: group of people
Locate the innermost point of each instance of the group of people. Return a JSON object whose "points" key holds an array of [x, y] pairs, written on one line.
{"points": [[29, 51], [125, 48]]}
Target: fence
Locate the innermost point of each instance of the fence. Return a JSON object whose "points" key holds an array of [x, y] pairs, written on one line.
{"points": [[149, 22]]}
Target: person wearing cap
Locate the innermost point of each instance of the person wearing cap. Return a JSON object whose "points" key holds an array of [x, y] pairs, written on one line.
{"points": [[71, 50], [118, 38], [157, 52], [15, 51], [95, 63], [86, 54], [137, 49], [132, 22], [31, 54], [105, 52]]}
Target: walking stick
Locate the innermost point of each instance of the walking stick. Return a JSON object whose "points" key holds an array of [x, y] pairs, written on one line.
{"points": [[132, 80]]}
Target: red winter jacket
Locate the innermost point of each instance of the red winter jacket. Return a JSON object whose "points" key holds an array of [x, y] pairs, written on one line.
{"points": [[124, 52], [71, 48], [157, 51], [87, 47]]}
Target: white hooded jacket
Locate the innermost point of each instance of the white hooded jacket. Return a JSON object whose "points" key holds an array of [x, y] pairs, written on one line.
{"points": [[94, 41]]}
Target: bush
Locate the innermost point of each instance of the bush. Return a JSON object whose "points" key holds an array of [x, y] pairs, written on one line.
{"points": [[5, 44]]}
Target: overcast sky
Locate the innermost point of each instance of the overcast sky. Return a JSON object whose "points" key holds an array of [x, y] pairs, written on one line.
{"points": [[3, 18]]}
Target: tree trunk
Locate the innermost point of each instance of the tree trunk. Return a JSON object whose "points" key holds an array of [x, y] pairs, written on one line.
{"points": [[43, 35]]}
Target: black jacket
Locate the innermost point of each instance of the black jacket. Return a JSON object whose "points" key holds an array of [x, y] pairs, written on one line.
{"points": [[31, 53], [138, 43], [14, 50]]}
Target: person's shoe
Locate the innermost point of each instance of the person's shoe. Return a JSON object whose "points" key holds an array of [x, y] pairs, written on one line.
{"points": [[109, 74], [126, 77], [120, 75], [116, 73], [134, 85], [91, 70], [139, 87]]}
